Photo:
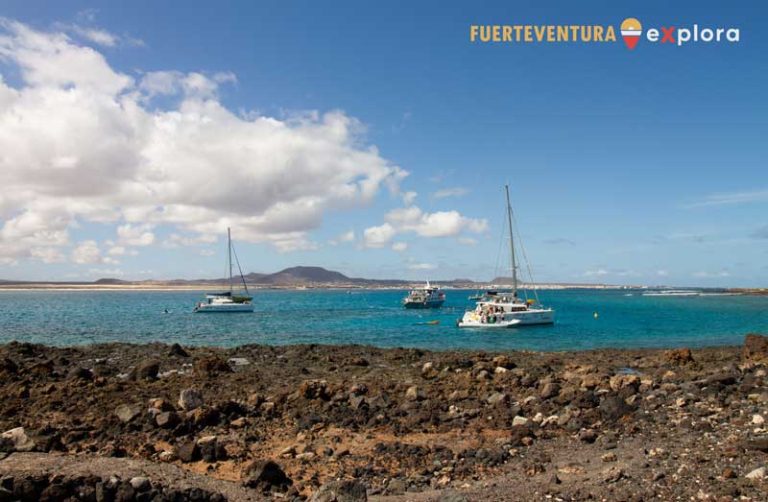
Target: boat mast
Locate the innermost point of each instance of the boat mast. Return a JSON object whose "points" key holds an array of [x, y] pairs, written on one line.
{"points": [[511, 243], [229, 257]]}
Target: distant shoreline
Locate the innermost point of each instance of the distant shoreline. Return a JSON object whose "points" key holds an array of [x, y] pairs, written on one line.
{"points": [[60, 286]]}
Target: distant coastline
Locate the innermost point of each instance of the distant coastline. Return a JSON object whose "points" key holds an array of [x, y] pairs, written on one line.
{"points": [[300, 278]]}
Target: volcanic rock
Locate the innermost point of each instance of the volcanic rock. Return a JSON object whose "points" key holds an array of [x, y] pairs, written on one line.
{"points": [[341, 491]]}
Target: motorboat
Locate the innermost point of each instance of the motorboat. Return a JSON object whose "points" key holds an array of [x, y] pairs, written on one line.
{"points": [[424, 297]]}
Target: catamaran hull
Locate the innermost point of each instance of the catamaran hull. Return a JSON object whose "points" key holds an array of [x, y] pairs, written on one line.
{"points": [[424, 305], [230, 307], [511, 320]]}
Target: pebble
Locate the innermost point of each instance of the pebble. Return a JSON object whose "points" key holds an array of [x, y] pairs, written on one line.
{"points": [[518, 420], [758, 420], [757, 474]]}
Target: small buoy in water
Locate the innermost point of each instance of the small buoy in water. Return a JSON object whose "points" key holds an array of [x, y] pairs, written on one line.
{"points": [[165, 311], [433, 323], [595, 314]]}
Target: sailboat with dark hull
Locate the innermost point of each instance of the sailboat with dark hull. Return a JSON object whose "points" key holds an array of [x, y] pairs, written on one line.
{"points": [[228, 301], [498, 309]]}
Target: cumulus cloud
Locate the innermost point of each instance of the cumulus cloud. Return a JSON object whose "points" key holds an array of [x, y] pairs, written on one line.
{"points": [[82, 141], [87, 252], [399, 246], [413, 219], [135, 235], [377, 237]]}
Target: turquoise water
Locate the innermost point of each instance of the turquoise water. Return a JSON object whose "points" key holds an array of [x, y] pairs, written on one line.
{"points": [[376, 318]]}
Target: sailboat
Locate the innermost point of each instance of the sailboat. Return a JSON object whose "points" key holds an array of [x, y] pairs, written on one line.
{"points": [[228, 301], [507, 309]]}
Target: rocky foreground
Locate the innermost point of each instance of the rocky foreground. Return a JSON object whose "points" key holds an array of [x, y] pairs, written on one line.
{"points": [[157, 422]]}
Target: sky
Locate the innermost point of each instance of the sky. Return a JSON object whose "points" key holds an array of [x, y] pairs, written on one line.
{"points": [[375, 139]]}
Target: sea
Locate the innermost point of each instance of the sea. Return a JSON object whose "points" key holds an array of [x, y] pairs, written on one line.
{"points": [[585, 319]]}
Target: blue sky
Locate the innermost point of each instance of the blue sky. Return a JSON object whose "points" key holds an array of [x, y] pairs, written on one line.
{"points": [[641, 167]]}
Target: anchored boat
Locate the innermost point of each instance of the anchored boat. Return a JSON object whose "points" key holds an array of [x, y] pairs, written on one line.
{"points": [[228, 301], [425, 297], [507, 310]]}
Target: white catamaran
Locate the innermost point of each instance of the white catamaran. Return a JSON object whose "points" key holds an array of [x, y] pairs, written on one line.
{"points": [[507, 310], [228, 301]]}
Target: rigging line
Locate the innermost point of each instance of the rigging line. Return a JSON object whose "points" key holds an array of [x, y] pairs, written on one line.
{"points": [[242, 278], [527, 262]]}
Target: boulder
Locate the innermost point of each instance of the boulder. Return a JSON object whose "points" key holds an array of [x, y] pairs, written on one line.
{"points": [[187, 451], [341, 491], [145, 370], [211, 366], [613, 408], [504, 361], [315, 389], [167, 419], [497, 398], [19, 439], [190, 399], [414, 394], [80, 374], [266, 476], [178, 351], [140, 484], [755, 348], [428, 371], [549, 390], [126, 413], [679, 357]]}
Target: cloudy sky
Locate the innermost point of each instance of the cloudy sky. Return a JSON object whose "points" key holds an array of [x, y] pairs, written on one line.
{"points": [[376, 141]]}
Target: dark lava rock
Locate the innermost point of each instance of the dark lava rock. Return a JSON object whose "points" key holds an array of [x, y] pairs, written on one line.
{"points": [[341, 491], [167, 419], [266, 476], [315, 389], [177, 350], [211, 366], [145, 370], [613, 408], [80, 374], [188, 451]]}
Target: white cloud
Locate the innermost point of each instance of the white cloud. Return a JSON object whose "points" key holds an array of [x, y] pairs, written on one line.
{"points": [[81, 142], [399, 246], [711, 275], [97, 35], [731, 198], [450, 192], [467, 241], [86, 252], [377, 237], [409, 197], [596, 273], [347, 236], [135, 235], [207, 252], [437, 224], [422, 266], [105, 272], [662, 273]]}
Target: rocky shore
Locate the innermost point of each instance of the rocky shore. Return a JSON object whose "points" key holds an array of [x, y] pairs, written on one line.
{"points": [[158, 422]]}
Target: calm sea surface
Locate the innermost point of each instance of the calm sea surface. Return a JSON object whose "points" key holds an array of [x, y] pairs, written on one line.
{"points": [[376, 318]]}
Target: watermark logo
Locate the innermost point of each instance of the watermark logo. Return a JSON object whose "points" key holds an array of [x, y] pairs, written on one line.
{"points": [[631, 30]]}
